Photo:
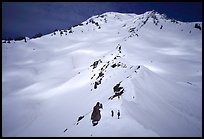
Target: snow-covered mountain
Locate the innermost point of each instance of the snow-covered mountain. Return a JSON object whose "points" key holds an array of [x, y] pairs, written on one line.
{"points": [[50, 81]]}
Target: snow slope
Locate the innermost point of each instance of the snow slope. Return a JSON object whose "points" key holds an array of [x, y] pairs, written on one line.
{"points": [[48, 82]]}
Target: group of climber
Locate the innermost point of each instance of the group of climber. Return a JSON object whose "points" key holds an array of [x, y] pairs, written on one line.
{"points": [[118, 113]]}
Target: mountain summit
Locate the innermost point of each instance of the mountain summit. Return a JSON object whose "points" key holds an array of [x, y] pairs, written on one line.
{"points": [[143, 72]]}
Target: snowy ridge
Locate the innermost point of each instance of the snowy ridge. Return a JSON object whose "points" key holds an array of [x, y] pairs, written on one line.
{"points": [[147, 66]]}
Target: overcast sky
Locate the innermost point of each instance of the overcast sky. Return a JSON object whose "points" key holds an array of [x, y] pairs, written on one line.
{"points": [[29, 18]]}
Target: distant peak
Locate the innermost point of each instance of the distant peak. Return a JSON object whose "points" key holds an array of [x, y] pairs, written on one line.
{"points": [[153, 12]]}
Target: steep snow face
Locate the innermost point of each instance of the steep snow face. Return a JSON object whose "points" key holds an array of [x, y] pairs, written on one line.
{"points": [[146, 66]]}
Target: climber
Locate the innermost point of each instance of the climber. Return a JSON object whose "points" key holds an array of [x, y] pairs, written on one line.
{"points": [[118, 114], [112, 113]]}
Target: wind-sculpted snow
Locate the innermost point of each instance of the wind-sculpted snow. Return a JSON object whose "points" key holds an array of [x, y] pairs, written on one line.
{"points": [[147, 66]]}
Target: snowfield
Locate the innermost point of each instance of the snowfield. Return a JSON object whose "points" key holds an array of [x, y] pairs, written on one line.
{"points": [[49, 82]]}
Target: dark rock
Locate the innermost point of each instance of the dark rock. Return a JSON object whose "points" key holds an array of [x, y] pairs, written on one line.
{"points": [[174, 21], [117, 94], [131, 29], [95, 85], [96, 63], [80, 117], [70, 31], [96, 115], [197, 26], [61, 32], [100, 75], [189, 83], [116, 88], [114, 65]]}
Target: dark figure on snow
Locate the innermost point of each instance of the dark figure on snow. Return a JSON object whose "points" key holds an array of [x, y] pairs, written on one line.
{"points": [[118, 114], [96, 115], [112, 113]]}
